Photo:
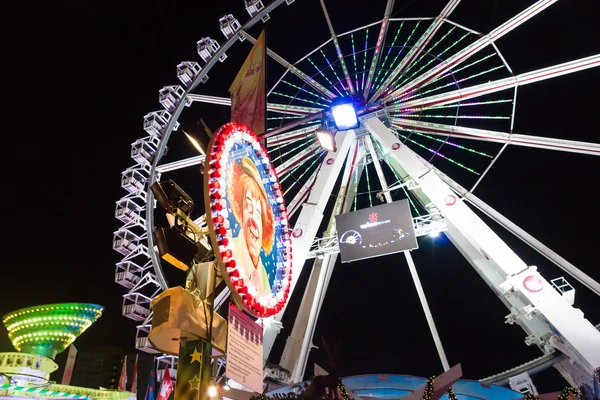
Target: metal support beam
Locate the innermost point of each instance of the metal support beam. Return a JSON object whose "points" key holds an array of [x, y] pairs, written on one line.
{"points": [[417, 49], [275, 107], [470, 50], [308, 223], [411, 264], [378, 46], [485, 135]]}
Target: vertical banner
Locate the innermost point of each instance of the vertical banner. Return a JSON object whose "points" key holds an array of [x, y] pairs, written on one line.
{"points": [[69, 365], [244, 350], [123, 377], [187, 385], [134, 379], [248, 95], [151, 389]]}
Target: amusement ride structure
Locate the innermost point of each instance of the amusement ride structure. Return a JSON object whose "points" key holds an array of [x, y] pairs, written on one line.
{"points": [[39, 333], [424, 90]]}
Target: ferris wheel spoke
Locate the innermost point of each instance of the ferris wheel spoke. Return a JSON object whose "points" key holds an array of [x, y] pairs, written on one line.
{"points": [[417, 49], [503, 84], [292, 125], [378, 47], [274, 107], [290, 137], [472, 49], [294, 205], [334, 38], [462, 132], [293, 69], [297, 159]]}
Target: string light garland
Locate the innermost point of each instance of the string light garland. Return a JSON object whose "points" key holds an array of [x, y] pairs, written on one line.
{"points": [[342, 389], [451, 394], [567, 392], [531, 396], [428, 393]]}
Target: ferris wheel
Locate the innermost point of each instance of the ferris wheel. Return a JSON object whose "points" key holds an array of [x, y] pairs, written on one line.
{"points": [[435, 102]]}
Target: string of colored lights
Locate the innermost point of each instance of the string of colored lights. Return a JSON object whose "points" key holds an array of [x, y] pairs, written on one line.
{"points": [[458, 146], [354, 57], [475, 103], [46, 392], [304, 90], [337, 78], [368, 180], [454, 116], [453, 83], [305, 142], [365, 60], [429, 51], [436, 57], [437, 153], [285, 117], [393, 65], [319, 157], [323, 75], [382, 67], [455, 71], [299, 99]]}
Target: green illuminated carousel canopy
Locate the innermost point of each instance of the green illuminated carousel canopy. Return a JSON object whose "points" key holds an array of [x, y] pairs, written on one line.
{"points": [[49, 329]]}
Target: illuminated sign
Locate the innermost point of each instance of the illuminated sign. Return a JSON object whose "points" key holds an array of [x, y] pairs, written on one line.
{"points": [[248, 221], [376, 231]]}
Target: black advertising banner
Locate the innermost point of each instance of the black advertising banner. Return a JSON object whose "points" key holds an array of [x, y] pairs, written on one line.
{"points": [[376, 231]]}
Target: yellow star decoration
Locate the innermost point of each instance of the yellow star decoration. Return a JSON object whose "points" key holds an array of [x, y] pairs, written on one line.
{"points": [[194, 383], [195, 356]]}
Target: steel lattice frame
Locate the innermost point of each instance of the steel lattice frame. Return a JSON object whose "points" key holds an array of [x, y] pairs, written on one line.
{"points": [[443, 89]]}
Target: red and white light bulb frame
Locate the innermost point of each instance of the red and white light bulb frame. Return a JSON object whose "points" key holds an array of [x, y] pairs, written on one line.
{"points": [[216, 189]]}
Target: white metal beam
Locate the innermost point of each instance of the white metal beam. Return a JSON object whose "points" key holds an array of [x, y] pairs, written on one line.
{"points": [[378, 46], [473, 48], [417, 49], [501, 84], [541, 311], [275, 107], [308, 222], [337, 49], [485, 135]]}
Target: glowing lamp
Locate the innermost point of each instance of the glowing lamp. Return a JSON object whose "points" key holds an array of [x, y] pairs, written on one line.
{"points": [[434, 234], [344, 114], [326, 139]]}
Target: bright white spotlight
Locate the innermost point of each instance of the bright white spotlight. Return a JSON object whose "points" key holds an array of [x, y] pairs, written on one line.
{"points": [[344, 114], [434, 234], [326, 139], [212, 391]]}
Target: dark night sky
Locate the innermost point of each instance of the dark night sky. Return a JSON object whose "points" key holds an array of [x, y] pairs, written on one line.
{"points": [[82, 75]]}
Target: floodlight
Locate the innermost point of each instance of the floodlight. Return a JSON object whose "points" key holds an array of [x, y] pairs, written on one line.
{"points": [[344, 114], [326, 139], [171, 196], [434, 233], [175, 247]]}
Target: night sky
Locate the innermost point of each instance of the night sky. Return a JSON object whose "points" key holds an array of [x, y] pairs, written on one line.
{"points": [[82, 75]]}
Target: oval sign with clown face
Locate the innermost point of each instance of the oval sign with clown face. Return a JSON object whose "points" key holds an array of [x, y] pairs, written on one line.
{"points": [[247, 220]]}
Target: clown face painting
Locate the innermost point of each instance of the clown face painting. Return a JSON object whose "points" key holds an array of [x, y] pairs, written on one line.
{"points": [[248, 202]]}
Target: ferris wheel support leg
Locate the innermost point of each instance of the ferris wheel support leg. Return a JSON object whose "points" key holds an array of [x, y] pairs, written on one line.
{"points": [[298, 345], [411, 264], [308, 223], [534, 304]]}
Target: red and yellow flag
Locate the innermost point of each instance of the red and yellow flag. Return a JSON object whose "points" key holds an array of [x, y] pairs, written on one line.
{"points": [[248, 101]]}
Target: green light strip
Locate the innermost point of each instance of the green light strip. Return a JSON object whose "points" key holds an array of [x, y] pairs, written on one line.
{"points": [[379, 76], [387, 76], [425, 52], [454, 116], [434, 58], [304, 90], [299, 99], [365, 59], [368, 180], [323, 75], [305, 142], [319, 156], [337, 78], [437, 139], [354, 56], [437, 153], [475, 103]]}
